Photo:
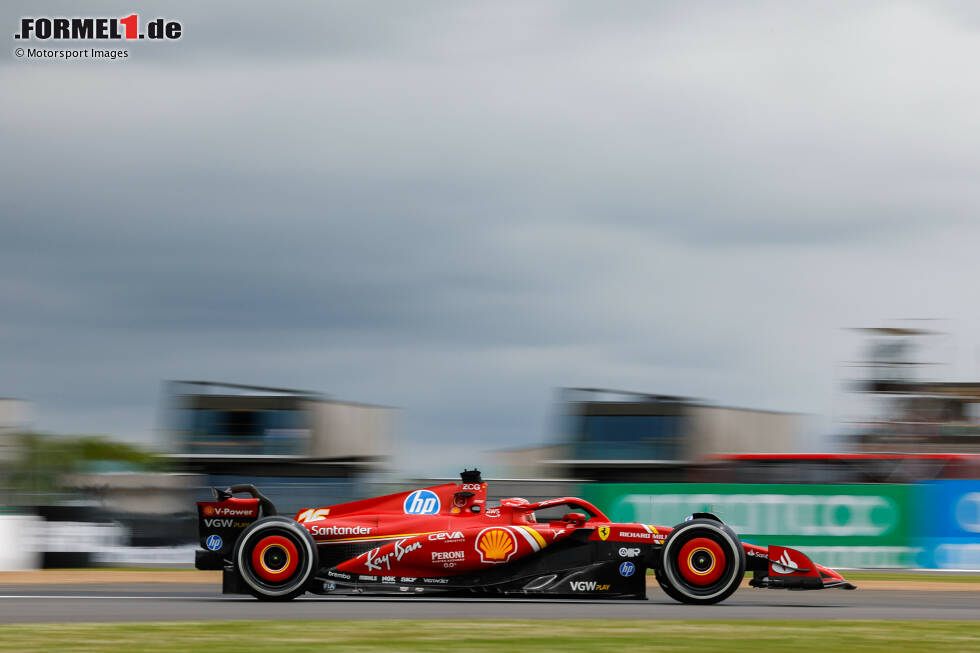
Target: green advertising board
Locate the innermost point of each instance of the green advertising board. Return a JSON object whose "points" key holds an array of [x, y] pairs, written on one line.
{"points": [[837, 525]]}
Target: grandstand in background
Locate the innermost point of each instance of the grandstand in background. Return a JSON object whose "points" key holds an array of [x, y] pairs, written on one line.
{"points": [[904, 412], [613, 435], [300, 446]]}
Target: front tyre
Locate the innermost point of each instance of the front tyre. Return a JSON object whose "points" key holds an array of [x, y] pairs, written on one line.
{"points": [[276, 558], [703, 562]]}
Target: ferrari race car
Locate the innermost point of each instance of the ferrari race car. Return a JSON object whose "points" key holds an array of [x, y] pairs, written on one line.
{"points": [[446, 539]]}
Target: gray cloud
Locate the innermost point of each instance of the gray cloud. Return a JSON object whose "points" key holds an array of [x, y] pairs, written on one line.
{"points": [[455, 208]]}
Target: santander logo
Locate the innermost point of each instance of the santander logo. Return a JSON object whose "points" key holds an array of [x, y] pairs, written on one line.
{"points": [[785, 565]]}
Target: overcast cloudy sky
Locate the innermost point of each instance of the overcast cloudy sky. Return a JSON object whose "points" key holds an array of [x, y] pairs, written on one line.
{"points": [[454, 208]]}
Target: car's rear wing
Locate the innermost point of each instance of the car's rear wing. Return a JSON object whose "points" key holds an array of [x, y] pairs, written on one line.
{"points": [[219, 522]]}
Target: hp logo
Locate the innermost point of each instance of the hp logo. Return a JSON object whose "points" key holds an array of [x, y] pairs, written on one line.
{"points": [[627, 569], [213, 542], [422, 502]]}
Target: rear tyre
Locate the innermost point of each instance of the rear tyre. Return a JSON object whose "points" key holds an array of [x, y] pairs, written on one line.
{"points": [[703, 562], [276, 558]]}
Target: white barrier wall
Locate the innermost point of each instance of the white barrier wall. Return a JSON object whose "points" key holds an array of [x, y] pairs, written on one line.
{"points": [[18, 551]]}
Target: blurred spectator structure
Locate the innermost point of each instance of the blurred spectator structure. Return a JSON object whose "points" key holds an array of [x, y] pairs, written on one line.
{"points": [[905, 413], [613, 436], [88, 500], [300, 447], [14, 418]]}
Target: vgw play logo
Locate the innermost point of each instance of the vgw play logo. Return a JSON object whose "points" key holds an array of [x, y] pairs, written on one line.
{"points": [[422, 502]]}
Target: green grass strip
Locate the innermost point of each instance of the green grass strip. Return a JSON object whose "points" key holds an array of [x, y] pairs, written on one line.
{"points": [[617, 636]]}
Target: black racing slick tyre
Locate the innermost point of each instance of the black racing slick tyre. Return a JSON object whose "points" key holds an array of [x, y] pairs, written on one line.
{"points": [[276, 559], [703, 562]]}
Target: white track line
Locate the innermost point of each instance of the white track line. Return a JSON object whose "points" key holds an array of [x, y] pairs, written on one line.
{"points": [[99, 596], [320, 599]]}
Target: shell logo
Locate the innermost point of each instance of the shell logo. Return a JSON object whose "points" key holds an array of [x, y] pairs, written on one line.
{"points": [[495, 545], [208, 510]]}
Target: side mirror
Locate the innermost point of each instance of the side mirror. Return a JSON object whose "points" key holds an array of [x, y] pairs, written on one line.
{"points": [[575, 518]]}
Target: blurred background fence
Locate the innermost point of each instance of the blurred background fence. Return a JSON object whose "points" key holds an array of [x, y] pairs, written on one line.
{"points": [[931, 524], [901, 490]]}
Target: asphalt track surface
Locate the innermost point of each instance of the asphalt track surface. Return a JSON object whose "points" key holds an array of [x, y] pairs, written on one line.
{"points": [[186, 602]]}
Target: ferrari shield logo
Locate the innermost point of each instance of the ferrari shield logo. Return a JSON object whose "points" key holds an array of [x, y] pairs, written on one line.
{"points": [[603, 532]]}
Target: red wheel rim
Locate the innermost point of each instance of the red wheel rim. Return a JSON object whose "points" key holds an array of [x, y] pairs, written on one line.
{"points": [[701, 561], [275, 546]]}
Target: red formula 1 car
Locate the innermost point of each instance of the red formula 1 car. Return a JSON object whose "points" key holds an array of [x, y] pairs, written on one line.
{"points": [[446, 539]]}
